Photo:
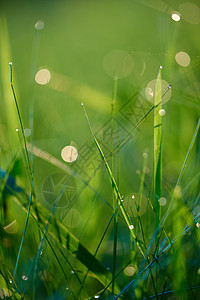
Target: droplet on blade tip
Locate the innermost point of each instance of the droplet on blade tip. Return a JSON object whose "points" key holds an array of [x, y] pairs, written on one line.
{"points": [[10, 63]]}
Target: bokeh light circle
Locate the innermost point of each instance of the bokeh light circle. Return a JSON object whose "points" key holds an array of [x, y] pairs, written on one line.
{"points": [[69, 154], [131, 204], [190, 13], [182, 58], [43, 76], [118, 62], [150, 91]]}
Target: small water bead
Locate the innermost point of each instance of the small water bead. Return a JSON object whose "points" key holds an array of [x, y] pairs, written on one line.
{"points": [[198, 225], [24, 277], [131, 227], [10, 281], [39, 25], [72, 272], [17, 129], [132, 196], [41, 253], [176, 17], [97, 296], [162, 112]]}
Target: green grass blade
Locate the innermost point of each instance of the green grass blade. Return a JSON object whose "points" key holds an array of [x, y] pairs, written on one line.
{"points": [[117, 193], [157, 151], [70, 242], [182, 170]]}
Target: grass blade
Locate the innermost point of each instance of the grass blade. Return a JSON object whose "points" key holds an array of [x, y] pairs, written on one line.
{"points": [[157, 152], [117, 193]]}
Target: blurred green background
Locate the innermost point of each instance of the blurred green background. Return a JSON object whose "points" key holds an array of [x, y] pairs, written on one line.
{"points": [[83, 44]]}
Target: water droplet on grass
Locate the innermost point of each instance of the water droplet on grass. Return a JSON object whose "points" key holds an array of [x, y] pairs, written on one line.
{"points": [[39, 25], [24, 277], [131, 227], [162, 112]]}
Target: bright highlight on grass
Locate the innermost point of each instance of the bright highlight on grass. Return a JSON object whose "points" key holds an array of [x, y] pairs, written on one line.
{"points": [[176, 17], [43, 76], [69, 154], [39, 25]]}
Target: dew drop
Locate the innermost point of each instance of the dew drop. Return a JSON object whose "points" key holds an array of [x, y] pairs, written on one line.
{"points": [[131, 227], [10, 281], [162, 112], [132, 196], [24, 277]]}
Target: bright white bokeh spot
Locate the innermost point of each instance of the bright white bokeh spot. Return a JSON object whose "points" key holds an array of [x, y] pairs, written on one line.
{"points": [[131, 203], [165, 91], [118, 62], [190, 13], [162, 112], [43, 76], [97, 296], [129, 270], [162, 201], [182, 58], [176, 17], [198, 224], [131, 227], [27, 132], [39, 25], [69, 154]]}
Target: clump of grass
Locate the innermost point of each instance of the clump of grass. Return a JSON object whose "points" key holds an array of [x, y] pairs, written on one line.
{"points": [[60, 265]]}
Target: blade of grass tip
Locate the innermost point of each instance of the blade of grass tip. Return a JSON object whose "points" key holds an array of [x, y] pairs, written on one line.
{"points": [[27, 160], [157, 152], [124, 141], [117, 193], [181, 172], [115, 202]]}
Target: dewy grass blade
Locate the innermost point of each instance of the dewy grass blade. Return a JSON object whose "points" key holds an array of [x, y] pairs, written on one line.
{"points": [[117, 193], [157, 152], [27, 159], [115, 202], [25, 227]]}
